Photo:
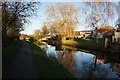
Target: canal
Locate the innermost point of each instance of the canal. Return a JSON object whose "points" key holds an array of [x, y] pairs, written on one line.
{"points": [[84, 63]]}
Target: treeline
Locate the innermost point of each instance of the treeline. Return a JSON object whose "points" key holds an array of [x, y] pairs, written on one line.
{"points": [[14, 16]]}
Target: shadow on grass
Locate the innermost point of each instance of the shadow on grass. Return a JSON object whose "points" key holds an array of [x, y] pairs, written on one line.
{"points": [[9, 53], [49, 67]]}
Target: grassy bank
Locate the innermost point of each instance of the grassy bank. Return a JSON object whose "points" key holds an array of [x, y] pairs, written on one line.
{"points": [[89, 44], [9, 53], [49, 67]]}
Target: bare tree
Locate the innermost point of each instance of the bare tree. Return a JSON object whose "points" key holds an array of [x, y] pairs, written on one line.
{"points": [[118, 11], [44, 30], [99, 13], [63, 16], [14, 15], [37, 34]]}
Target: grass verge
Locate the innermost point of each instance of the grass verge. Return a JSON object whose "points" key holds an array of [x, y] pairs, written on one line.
{"points": [[89, 44], [49, 67]]}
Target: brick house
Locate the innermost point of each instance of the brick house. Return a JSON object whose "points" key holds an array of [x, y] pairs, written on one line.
{"points": [[103, 32], [83, 34]]}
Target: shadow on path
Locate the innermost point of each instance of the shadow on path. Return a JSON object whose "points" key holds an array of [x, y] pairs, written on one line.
{"points": [[24, 65]]}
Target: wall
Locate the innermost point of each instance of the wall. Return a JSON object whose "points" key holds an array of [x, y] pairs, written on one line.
{"points": [[117, 36]]}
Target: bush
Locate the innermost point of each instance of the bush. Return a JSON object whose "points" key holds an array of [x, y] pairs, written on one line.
{"points": [[32, 39]]}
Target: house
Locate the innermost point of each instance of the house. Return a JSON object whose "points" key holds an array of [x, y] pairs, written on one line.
{"points": [[116, 37], [83, 34], [103, 32], [101, 60], [24, 37]]}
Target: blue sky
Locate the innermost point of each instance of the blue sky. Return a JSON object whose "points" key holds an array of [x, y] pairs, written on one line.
{"points": [[37, 21]]}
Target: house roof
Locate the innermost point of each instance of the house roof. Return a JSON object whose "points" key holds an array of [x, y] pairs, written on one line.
{"points": [[84, 31], [105, 27], [110, 32], [106, 30]]}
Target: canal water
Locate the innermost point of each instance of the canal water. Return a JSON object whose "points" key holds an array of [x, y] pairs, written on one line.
{"points": [[84, 63]]}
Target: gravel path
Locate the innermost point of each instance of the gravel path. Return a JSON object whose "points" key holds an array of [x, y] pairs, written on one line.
{"points": [[24, 65]]}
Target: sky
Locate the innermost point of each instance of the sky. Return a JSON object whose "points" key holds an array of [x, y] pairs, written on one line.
{"points": [[38, 20]]}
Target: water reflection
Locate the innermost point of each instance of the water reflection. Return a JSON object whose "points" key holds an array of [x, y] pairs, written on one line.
{"points": [[115, 67], [85, 64]]}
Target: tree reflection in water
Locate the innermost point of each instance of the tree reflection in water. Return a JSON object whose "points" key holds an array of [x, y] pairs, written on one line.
{"points": [[115, 67], [84, 65], [67, 59]]}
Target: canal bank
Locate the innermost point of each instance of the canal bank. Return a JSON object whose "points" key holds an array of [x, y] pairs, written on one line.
{"points": [[88, 44], [85, 63], [49, 67]]}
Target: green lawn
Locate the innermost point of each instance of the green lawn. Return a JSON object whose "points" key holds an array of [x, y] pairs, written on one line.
{"points": [[69, 42], [9, 53], [89, 44], [49, 67]]}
